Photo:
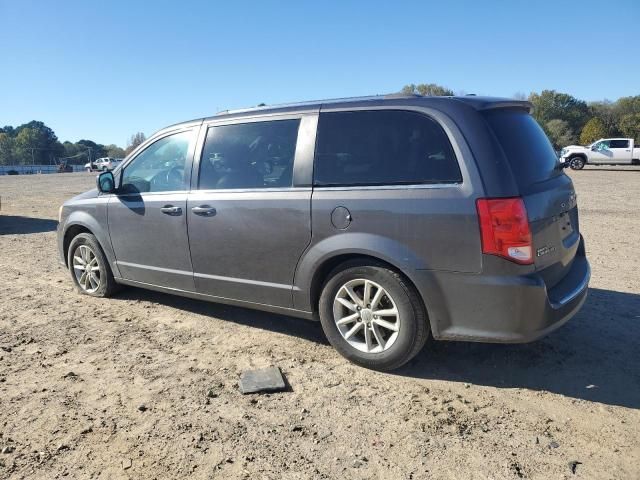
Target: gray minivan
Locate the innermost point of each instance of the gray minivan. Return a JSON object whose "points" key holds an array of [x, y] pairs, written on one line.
{"points": [[388, 218]]}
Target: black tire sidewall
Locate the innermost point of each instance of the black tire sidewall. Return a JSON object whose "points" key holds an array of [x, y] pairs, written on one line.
{"points": [[105, 273], [400, 350], [571, 164]]}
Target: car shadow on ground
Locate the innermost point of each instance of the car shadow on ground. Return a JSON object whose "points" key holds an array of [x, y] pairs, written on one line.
{"points": [[296, 327], [18, 225], [594, 357]]}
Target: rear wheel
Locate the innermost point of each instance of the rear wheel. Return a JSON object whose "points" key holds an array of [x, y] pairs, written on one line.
{"points": [[373, 316], [576, 163], [89, 267]]}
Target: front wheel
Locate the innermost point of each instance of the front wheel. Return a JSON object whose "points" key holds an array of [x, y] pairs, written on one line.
{"points": [[89, 267], [576, 163], [88, 170], [373, 316]]}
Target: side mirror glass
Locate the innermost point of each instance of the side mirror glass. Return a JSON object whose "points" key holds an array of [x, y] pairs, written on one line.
{"points": [[106, 182]]}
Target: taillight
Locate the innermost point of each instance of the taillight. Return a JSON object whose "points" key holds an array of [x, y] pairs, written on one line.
{"points": [[504, 227]]}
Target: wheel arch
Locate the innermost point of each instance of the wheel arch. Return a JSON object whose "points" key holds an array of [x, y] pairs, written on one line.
{"points": [[581, 155], [70, 233], [322, 273], [80, 222]]}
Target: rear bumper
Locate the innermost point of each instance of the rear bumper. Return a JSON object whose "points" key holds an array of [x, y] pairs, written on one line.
{"points": [[503, 309]]}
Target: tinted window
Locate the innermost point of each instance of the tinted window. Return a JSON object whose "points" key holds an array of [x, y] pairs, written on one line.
{"points": [[382, 148], [619, 144], [525, 145], [249, 155], [160, 167]]}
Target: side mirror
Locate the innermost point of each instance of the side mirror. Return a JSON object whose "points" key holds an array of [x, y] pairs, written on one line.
{"points": [[106, 183]]}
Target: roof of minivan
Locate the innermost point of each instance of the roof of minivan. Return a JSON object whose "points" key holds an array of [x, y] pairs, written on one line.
{"points": [[476, 102]]}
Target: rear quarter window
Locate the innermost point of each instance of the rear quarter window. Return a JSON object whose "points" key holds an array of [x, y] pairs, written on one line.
{"points": [[526, 146], [382, 147]]}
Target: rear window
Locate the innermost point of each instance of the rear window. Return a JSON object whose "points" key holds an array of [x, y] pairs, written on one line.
{"points": [[382, 147], [525, 145]]}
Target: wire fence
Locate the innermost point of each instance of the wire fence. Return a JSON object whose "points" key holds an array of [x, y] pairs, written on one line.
{"points": [[35, 169]]}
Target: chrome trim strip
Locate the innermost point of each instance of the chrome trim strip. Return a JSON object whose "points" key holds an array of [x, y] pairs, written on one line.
{"points": [[245, 281], [419, 186], [155, 269], [208, 277]]}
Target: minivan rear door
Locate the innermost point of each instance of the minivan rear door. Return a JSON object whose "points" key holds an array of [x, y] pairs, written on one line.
{"points": [[547, 191], [249, 211]]}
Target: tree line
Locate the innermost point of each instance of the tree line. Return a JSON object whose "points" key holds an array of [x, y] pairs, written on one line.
{"points": [[35, 143], [566, 119]]}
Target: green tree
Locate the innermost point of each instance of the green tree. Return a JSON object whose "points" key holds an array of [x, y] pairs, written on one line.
{"points": [[550, 105], [7, 147], [604, 110], [115, 151], [626, 106], [427, 90], [630, 126], [559, 133], [135, 140], [593, 130]]}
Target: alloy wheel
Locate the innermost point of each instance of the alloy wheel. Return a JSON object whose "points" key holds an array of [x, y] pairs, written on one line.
{"points": [[366, 316], [86, 268]]}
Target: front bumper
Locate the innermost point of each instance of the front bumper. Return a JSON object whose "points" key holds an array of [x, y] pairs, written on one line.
{"points": [[503, 309]]}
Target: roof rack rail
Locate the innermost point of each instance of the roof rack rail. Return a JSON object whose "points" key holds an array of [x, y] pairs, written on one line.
{"points": [[317, 102]]}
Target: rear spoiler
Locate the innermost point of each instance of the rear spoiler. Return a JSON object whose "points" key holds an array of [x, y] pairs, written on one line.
{"points": [[489, 103]]}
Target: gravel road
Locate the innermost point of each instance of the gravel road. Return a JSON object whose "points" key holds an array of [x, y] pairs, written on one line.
{"points": [[75, 372]]}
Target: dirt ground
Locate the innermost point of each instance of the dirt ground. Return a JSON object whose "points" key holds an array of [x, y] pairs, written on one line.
{"points": [[75, 371]]}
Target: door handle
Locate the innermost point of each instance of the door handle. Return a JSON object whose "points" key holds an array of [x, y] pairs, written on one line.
{"points": [[171, 210], [204, 210]]}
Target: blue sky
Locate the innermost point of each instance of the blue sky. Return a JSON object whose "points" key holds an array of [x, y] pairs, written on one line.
{"points": [[104, 70]]}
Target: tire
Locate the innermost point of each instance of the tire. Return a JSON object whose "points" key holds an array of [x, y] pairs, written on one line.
{"points": [[88, 170], [576, 163], [396, 347], [84, 249]]}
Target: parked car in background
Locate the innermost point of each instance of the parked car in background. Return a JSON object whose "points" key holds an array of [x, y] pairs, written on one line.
{"points": [[606, 151], [389, 218], [102, 164]]}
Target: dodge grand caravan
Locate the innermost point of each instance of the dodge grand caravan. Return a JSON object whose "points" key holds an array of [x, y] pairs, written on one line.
{"points": [[388, 218]]}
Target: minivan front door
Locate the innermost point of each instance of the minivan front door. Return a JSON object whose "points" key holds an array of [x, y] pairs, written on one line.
{"points": [[249, 219], [147, 216]]}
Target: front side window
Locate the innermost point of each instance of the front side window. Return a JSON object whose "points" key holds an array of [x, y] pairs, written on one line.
{"points": [[249, 155], [619, 144], [160, 167], [603, 145], [382, 147]]}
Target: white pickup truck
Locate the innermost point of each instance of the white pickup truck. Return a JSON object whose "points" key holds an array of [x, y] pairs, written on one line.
{"points": [[102, 164], [606, 151]]}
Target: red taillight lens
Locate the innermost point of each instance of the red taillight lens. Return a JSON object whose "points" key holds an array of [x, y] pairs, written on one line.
{"points": [[504, 227]]}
